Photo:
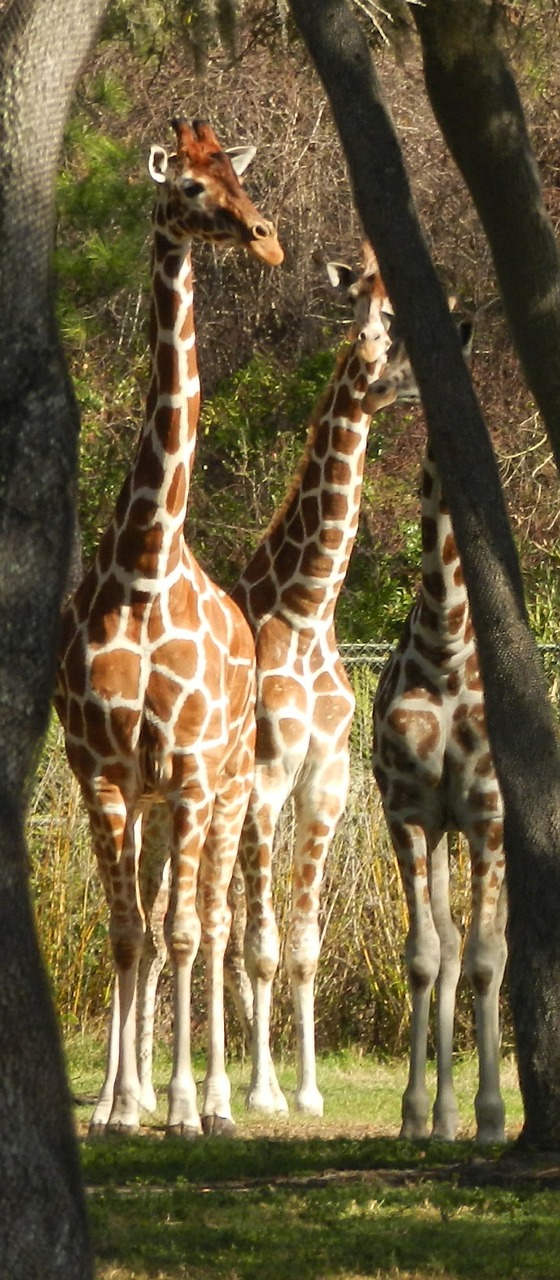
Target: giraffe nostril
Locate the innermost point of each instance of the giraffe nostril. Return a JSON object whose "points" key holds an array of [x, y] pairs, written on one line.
{"points": [[262, 229]]}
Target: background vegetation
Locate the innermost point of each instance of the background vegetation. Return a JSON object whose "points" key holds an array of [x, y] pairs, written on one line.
{"points": [[266, 343]]}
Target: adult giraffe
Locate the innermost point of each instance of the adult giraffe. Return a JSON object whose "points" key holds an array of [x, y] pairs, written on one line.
{"points": [[288, 593], [434, 768], [305, 703], [155, 685]]}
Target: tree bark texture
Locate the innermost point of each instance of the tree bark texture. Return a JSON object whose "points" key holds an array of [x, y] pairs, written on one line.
{"points": [[476, 103], [43, 1224], [519, 715]]}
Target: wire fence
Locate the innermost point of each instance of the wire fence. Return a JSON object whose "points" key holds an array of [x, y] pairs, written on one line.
{"points": [[364, 663]]}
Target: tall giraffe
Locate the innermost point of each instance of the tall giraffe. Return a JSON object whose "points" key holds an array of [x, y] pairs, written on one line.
{"points": [[434, 769], [155, 685], [288, 593]]}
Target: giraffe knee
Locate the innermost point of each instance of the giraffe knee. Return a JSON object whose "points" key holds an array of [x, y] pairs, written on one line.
{"points": [[422, 971], [126, 952], [302, 954], [183, 940], [127, 940]]}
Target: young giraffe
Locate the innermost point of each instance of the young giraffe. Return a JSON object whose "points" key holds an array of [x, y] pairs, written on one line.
{"points": [[288, 593], [435, 772], [155, 685]]}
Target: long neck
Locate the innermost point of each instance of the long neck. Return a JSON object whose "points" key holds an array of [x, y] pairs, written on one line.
{"points": [[152, 505], [301, 563], [441, 618]]}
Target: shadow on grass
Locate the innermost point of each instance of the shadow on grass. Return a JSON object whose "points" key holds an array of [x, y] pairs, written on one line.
{"points": [[314, 1209]]}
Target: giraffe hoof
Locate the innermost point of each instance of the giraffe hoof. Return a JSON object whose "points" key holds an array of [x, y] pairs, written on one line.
{"points": [[217, 1127], [97, 1129], [121, 1129], [188, 1132]]}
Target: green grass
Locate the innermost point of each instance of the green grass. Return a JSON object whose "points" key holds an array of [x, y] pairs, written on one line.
{"points": [[362, 1094], [313, 1199]]}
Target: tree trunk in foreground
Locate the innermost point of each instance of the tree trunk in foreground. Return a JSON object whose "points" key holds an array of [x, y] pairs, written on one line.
{"points": [[519, 715], [475, 99], [43, 1224]]}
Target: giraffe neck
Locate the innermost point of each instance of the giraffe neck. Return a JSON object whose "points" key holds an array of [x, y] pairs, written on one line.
{"points": [[152, 505], [441, 621], [301, 563]]}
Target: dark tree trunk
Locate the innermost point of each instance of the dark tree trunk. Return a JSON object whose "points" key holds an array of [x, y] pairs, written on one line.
{"points": [[475, 100], [519, 715], [477, 105], [43, 1226]]}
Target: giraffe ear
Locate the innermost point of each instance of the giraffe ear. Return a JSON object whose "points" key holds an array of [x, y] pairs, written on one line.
{"points": [[157, 163], [241, 158], [341, 276]]}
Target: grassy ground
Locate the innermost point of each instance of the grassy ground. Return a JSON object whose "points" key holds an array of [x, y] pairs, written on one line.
{"points": [[340, 1197]]}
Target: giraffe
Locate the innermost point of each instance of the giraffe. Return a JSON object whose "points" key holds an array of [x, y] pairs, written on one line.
{"points": [[288, 593], [434, 768], [339, 431], [156, 682]]}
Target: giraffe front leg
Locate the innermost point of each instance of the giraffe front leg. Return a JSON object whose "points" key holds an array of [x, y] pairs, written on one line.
{"points": [[154, 896], [104, 1102], [446, 1111], [125, 1111], [485, 960], [422, 959], [116, 838], [217, 867], [151, 964], [319, 804], [191, 816], [302, 956], [262, 949]]}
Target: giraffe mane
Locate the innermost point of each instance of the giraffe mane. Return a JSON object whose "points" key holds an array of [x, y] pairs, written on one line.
{"points": [[317, 414]]}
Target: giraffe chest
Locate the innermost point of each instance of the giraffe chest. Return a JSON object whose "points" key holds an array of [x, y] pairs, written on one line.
{"points": [[431, 749], [304, 704], [148, 683]]}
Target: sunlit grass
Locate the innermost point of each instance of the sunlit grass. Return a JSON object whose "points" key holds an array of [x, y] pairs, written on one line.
{"points": [[314, 1199], [362, 1094]]}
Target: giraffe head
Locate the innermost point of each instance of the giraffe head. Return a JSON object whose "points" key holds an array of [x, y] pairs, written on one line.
{"points": [[398, 384], [370, 331], [200, 194]]}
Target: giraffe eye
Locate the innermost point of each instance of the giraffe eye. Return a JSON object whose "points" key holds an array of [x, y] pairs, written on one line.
{"points": [[191, 188]]}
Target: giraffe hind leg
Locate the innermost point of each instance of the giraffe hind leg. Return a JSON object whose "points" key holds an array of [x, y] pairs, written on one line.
{"points": [[422, 959], [262, 946], [236, 978], [485, 960]]}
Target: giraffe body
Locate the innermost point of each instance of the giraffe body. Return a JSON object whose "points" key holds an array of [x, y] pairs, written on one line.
{"points": [[305, 703], [156, 679], [434, 768]]}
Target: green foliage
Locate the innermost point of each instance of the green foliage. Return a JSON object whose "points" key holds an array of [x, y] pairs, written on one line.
{"points": [[252, 435], [542, 588], [102, 222], [380, 587]]}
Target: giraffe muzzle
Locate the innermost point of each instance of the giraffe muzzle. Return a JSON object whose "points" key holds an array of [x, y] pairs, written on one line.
{"points": [[264, 244]]}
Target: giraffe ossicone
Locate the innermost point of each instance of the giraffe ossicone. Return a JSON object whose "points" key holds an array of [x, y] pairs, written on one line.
{"points": [[434, 768], [156, 674]]}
